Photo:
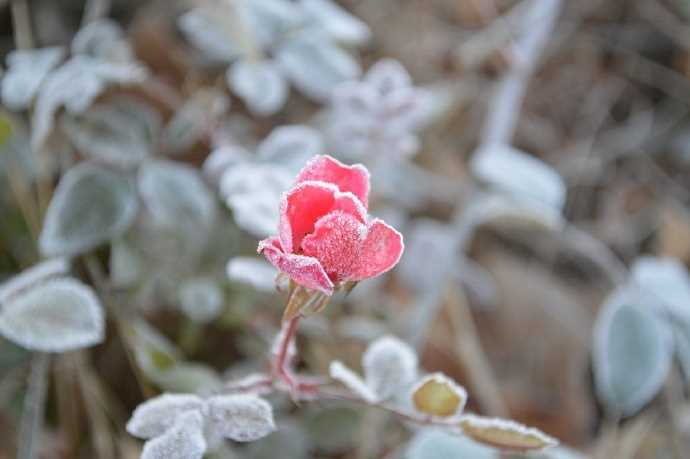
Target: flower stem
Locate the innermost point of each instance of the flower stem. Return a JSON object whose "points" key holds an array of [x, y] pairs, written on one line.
{"points": [[281, 363]]}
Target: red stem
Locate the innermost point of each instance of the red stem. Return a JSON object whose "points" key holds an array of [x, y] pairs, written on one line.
{"points": [[281, 364]]}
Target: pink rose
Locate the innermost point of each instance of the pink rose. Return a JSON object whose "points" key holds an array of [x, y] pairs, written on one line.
{"points": [[325, 236]]}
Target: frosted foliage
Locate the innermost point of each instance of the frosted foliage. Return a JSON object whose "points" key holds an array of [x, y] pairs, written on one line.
{"points": [[520, 175], [27, 69], [291, 146], [252, 271], [58, 315], [315, 65], [378, 115], [336, 21], [102, 39], [505, 434], [201, 299], [240, 418], [175, 194], [153, 417], [33, 276], [632, 352], [221, 159], [205, 29], [260, 84], [185, 440], [75, 85], [352, 381], [667, 280], [500, 209], [389, 365], [431, 255], [90, 206], [440, 444], [251, 191], [270, 20]]}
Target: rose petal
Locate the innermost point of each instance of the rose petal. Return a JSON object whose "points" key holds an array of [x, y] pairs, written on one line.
{"points": [[300, 208], [336, 242], [350, 204], [306, 271], [380, 251], [354, 179]]}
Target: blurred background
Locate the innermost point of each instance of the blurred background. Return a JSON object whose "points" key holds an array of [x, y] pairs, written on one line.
{"points": [[535, 154]]}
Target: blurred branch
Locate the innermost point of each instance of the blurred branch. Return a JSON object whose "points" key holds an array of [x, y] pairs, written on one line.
{"points": [[94, 10], [21, 24], [34, 407]]}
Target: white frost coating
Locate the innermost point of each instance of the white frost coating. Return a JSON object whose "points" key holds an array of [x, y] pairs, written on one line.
{"points": [[270, 20], [352, 381], [201, 299], [75, 85], [27, 70], [336, 21], [58, 315], [102, 39], [291, 146], [508, 425], [389, 365], [240, 418], [666, 279], [260, 84], [221, 159], [500, 209], [436, 443], [90, 206], [253, 271], [184, 440], [441, 379], [153, 417], [516, 173], [32, 276], [632, 351], [205, 30]]}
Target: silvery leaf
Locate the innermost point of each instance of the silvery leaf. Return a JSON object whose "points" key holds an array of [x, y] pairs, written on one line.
{"points": [[632, 351], [90, 206], [75, 85], [667, 279], [440, 444], [516, 173], [201, 299], [32, 276], [315, 64], [291, 146], [153, 417], [270, 20], [184, 440], [260, 84], [253, 271], [338, 371], [681, 337], [221, 159], [27, 70], [240, 417], [337, 22], [206, 30], [102, 39], [389, 365], [387, 76], [175, 194], [114, 135], [57, 315], [126, 264]]}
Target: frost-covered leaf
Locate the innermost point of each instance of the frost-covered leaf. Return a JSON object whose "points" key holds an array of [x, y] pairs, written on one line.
{"points": [[315, 65], [153, 417], [291, 146], [207, 29], [253, 271], [632, 351], [102, 39], [240, 417], [666, 279], [90, 206], [505, 434], [32, 276], [519, 175], [438, 395], [221, 159], [184, 440], [75, 85], [502, 210], [109, 134], [335, 21], [191, 121], [201, 299], [352, 381], [27, 70], [390, 365], [57, 315], [260, 84], [430, 255], [126, 264], [251, 191], [270, 20], [441, 444], [175, 194]]}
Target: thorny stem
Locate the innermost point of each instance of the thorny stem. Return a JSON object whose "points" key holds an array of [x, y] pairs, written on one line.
{"points": [[32, 419]]}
